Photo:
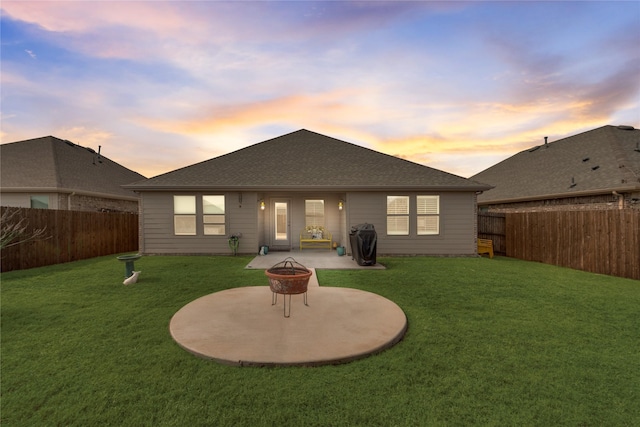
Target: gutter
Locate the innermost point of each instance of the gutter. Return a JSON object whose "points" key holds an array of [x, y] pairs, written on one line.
{"points": [[68, 191], [306, 188], [562, 195]]}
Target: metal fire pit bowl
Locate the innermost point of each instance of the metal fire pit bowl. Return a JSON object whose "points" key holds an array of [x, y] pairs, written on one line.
{"points": [[287, 278]]}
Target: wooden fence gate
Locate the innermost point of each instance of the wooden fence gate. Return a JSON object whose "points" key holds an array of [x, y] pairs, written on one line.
{"points": [[492, 226]]}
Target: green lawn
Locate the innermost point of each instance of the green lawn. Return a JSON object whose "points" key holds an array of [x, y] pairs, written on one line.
{"points": [[490, 342]]}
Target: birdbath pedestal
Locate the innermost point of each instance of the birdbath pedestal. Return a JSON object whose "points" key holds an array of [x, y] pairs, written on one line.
{"points": [[128, 266]]}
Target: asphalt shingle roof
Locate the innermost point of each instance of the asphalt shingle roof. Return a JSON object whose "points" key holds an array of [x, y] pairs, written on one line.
{"points": [[55, 164], [597, 161], [307, 160]]}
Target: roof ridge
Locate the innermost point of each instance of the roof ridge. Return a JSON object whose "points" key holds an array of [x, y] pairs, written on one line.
{"points": [[291, 160]]}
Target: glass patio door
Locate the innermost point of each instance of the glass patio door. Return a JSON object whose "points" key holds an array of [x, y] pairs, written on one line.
{"points": [[281, 235]]}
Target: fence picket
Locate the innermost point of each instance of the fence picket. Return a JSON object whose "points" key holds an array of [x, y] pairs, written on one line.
{"points": [[606, 242], [598, 241], [70, 236]]}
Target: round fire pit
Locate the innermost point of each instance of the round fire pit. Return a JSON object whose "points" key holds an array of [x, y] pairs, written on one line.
{"points": [[287, 278]]}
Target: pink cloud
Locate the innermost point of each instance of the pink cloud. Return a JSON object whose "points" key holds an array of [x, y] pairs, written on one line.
{"points": [[293, 109]]}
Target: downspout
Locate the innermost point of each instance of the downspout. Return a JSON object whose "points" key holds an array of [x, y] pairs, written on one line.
{"points": [[620, 199], [69, 200]]}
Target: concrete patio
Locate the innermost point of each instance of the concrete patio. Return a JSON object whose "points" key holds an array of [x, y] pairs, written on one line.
{"points": [[241, 327], [311, 258]]}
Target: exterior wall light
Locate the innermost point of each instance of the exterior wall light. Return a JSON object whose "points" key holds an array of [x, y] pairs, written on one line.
{"points": [[340, 205], [261, 204]]}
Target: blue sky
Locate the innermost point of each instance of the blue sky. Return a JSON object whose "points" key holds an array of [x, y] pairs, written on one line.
{"points": [[458, 86]]}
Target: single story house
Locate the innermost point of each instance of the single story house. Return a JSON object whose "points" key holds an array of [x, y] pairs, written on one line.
{"points": [[597, 169], [272, 191], [51, 173]]}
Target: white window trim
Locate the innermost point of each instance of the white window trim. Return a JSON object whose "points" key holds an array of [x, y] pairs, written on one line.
{"points": [[189, 216], [306, 215], [184, 214], [216, 220], [395, 216], [432, 211]]}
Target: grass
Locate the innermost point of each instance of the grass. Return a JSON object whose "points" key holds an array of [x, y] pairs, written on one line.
{"points": [[490, 342]]}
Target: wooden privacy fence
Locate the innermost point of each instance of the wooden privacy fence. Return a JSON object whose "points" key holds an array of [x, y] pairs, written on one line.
{"points": [[70, 236], [603, 241], [606, 242]]}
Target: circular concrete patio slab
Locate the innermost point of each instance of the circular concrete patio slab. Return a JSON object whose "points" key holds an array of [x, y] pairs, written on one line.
{"points": [[240, 326]]}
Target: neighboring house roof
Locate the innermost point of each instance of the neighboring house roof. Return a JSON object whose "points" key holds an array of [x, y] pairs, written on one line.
{"points": [[49, 164], [598, 161], [304, 160]]}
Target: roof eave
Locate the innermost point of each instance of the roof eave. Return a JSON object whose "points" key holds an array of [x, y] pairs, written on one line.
{"points": [[71, 191], [595, 192], [306, 188]]}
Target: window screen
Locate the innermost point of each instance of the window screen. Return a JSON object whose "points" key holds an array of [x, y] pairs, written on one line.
{"points": [[314, 212], [428, 215], [184, 215], [213, 215], [397, 215]]}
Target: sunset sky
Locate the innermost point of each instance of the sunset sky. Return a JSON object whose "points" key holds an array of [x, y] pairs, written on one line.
{"points": [[458, 86]]}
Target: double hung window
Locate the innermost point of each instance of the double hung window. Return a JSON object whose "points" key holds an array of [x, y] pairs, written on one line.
{"points": [[185, 214], [314, 212], [428, 215], [398, 215], [213, 215]]}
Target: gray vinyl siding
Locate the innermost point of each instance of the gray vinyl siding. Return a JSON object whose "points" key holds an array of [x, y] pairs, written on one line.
{"points": [[157, 225], [457, 223]]}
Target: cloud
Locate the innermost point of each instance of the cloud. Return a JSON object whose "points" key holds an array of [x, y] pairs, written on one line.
{"points": [[622, 87], [84, 136], [87, 16], [467, 139], [199, 36], [10, 78], [310, 109], [95, 27], [31, 54], [438, 83]]}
